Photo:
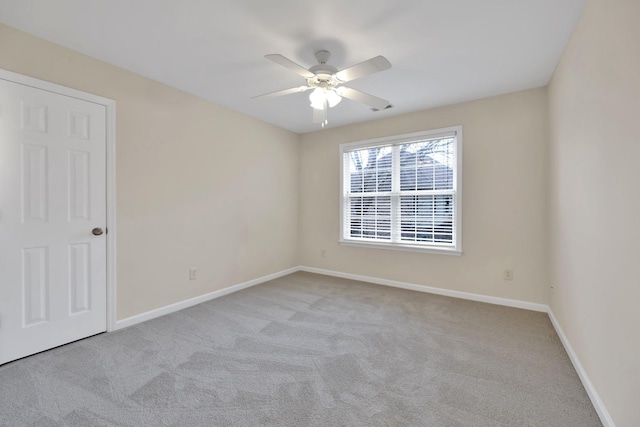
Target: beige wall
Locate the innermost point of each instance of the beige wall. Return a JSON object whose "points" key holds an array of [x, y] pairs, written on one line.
{"points": [[504, 200], [595, 200], [197, 185]]}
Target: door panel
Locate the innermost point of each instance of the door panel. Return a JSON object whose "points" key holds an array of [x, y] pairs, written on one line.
{"points": [[52, 194]]}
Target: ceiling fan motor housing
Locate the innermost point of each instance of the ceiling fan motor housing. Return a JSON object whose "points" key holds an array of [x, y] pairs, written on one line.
{"points": [[324, 73]]}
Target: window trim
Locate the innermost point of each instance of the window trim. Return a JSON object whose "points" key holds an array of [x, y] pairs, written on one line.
{"points": [[457, 177]]}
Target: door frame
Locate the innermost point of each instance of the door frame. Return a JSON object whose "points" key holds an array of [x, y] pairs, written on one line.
{"points": [[110, 106]]}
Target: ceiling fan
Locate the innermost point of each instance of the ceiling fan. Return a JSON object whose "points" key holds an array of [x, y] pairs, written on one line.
{"points": [[326, 82]]}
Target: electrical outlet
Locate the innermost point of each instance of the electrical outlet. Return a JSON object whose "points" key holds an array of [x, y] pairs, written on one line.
{"points": [[323, 253], [507, 274], [193, 273]]}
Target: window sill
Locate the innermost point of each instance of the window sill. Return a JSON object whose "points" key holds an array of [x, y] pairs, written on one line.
{"points": [[401, 247]]}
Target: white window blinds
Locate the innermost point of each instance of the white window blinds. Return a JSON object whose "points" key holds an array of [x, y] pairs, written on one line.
{"points": [[402, 193]]}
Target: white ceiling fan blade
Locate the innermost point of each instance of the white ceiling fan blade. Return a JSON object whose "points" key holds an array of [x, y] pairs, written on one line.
{"points": [[364, 98], [287, 63], [373, 65], [282, 92]]}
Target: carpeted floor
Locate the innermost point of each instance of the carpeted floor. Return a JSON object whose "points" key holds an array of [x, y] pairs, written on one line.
{"points": [[308, 350]]}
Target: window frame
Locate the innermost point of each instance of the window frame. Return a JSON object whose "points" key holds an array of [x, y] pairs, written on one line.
{"points": [[453, 249]]}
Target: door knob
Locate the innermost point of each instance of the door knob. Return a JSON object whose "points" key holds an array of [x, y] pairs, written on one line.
{"points": [[97, 231]]}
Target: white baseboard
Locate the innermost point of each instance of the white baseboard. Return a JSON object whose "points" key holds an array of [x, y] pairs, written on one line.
{"points": [[604, 415], [152, 314], [428, 289]]}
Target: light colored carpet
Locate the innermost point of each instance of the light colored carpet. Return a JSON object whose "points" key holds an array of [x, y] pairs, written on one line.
{"points": [[308, 350]]}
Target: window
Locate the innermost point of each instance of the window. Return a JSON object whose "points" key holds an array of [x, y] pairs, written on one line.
{"points": [[404, 192]]}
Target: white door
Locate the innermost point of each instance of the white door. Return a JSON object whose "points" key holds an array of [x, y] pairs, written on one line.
{"points": [[52, 195]]}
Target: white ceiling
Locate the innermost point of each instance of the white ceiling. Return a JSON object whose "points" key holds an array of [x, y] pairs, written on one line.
{"points": [[441, 51]]}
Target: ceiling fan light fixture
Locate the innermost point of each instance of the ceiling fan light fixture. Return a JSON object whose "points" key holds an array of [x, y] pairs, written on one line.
{"points": [[317, 98], [333, 98], [321, 97]]}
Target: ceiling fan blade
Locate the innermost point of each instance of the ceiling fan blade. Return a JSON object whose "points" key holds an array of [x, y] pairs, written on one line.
{"points": [[374, 102], [287, 63], [373, 65], [282, 92]]}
